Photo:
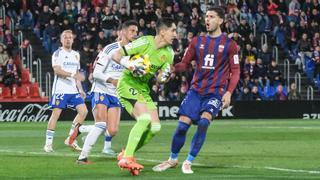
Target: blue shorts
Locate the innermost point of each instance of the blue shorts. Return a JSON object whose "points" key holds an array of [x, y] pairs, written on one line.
{"points": [[106, 99], [65, 100], [194, 104]]}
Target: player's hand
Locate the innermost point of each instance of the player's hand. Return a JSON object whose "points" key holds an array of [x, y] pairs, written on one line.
{"points": [[114, 82], [78, 76], [139, 71], [83, 94], [165, 75], [226, 99]]}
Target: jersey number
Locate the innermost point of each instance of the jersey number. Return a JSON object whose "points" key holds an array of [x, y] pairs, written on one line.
{"points": [[133, 91]]}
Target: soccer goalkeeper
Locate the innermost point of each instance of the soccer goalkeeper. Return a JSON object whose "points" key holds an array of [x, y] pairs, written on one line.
{"points": [[133, 89]]}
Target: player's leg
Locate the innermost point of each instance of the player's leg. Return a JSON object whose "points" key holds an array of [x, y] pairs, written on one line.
{"points": [[113, 126], [189, 109], [100, 116], [209, 108], [178, 140], [82, 112], [51, 129]]}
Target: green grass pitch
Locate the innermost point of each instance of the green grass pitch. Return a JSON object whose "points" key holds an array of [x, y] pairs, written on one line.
{"points": [[234, 149]]}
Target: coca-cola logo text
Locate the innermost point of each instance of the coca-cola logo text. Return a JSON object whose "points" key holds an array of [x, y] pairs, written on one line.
{"points": [[29, 113]]}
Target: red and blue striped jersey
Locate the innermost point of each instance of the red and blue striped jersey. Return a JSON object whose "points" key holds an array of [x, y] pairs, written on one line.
{"points": [[218, 68]]}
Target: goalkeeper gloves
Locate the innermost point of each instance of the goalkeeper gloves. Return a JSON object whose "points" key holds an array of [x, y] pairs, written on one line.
{"points": [[165, 74], [137, 67]]}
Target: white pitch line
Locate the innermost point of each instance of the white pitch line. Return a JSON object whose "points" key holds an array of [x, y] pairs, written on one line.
{"points": [[281, 127], [159, 161]]}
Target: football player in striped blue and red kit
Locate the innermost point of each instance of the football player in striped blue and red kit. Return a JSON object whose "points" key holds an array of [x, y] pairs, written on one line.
{"points": [[215, 77]]}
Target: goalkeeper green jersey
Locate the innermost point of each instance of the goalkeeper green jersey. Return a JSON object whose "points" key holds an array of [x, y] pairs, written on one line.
{"points": [[137, 88]]}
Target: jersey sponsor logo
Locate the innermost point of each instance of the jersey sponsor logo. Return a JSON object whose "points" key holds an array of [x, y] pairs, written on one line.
{"points": [[70, 64], [57, 102], [236, 59], [201, 46], [208, 62], [117, 67]]}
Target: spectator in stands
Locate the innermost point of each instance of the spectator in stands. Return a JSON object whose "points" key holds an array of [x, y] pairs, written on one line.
{"points": [[51, 36], [123, 16], [304, 48], [10, 72], [43, 21], [66, 25], [265, 55], [293, 93], [162, 96], [244, 29], [69, 13], [101, 39], [80, 26], [280, 94], [316, 59], [255, 94], [274, 74], [3, 55], [182, 93], [154, 92], [10, 42], [2, 29], [26, 20], [245, 95], [108, 22]]}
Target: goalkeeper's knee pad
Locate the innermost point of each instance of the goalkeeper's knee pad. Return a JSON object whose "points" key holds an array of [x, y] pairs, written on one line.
{"points": [[155, 127]]}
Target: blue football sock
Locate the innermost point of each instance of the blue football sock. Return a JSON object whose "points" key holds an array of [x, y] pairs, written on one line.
{"points": [[179, 139], [198, 138]]}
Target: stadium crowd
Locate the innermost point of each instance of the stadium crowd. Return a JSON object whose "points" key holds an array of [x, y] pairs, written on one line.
{"points": [[291, 25]]}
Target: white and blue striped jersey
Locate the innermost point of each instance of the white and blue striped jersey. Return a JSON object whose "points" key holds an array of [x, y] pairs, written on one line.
{"points": [[69, 61], [105, 68]]}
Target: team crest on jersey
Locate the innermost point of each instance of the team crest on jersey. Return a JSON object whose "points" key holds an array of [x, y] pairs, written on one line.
{"points": [[221, 48], [101, 97], [163, 58], [57, 102]]}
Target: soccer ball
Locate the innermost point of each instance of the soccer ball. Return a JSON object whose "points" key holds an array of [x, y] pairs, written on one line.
{"points": [[141, 61]]}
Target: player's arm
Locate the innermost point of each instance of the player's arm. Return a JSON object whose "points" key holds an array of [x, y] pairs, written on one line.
{"points": [[187, 58], [99, 67], [234, 65], [62, 73], [136, 47], [80, 89]]}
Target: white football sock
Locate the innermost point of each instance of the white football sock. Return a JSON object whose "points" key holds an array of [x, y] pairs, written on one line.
{"points": [[49, 137], [91, 139], [107, 140], [86, 128]]}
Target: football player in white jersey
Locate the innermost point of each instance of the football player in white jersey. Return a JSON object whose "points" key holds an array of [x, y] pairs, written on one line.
{"points": [[66, 91], [105, 104]]}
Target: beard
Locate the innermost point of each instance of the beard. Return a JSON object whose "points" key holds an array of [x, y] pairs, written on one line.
{"points": [[214, 29]]}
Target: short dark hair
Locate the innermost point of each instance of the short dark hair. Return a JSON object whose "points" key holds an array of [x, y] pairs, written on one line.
{"points": [[219, 10], [128, 23], [164, 23]]}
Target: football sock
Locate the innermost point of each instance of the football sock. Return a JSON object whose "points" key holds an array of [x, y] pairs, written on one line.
{"points": [[49, 136], [107, 141], [198, 138], [149, 134], [178, 140], [136, 133], [85, 128], [91, 139]]}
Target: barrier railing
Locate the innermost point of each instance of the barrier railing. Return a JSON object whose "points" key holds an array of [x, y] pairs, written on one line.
{"points": [[275, 53], [48, 84], [29, 58], [264, 39], [286, 71], [297, 81], [310, 93], [38, 72]]}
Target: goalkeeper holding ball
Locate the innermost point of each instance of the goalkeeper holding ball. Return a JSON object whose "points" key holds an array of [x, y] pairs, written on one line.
{"points": [[133, 89]]}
